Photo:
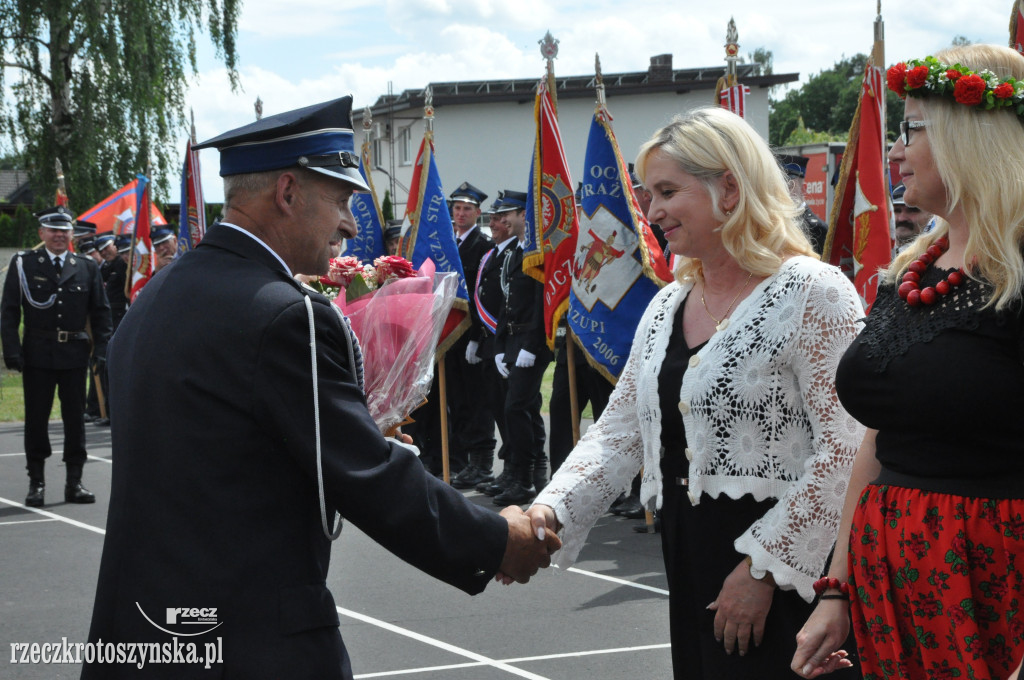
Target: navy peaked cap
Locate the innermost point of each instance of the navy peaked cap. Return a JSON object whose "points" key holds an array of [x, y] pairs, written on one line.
{"points": [[317, 137], [123, 243], [103, 241], [897, 194], [795, 166], [512, 200], [161, 234], [467, 193], [57, 217]]}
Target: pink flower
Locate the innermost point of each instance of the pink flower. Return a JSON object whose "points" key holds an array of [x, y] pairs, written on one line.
{"points": [[389, 266], [343, 269]]}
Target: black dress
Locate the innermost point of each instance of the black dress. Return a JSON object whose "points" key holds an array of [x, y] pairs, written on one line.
{"points": [[697, 542]]}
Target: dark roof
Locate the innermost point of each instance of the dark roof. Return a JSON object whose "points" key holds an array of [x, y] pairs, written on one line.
{"points": [[14, 186], [660, 77]]}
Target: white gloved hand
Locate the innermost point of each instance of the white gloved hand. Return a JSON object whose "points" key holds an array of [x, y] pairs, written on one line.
{"points": [[471, 355], [525, 359], [499, 361]]}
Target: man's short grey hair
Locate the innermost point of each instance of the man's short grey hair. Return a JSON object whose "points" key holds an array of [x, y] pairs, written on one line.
{"points": [[237, 186]]}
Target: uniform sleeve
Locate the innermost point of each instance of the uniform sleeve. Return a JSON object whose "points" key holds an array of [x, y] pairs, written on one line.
{"points": [[10, 312], [99, 312], [378, 485]]}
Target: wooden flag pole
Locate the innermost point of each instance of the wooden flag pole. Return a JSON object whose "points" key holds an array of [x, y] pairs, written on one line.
{"points": [[442, 394]]}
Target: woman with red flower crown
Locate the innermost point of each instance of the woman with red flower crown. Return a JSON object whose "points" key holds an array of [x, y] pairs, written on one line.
{"points": [[932, 576]]}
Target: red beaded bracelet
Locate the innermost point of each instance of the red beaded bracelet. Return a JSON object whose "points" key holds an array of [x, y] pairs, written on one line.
{"points": [[828, 583]]}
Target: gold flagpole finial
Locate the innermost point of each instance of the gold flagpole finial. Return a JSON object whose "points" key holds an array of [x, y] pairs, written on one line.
{"points": [[428, 108], [258, 105], [192, 131], [599, 81]]}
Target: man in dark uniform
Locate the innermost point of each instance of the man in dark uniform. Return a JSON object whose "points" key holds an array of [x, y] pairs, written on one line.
{"points": [[59, 296], [816, 230], [226, 503], [521, 355], [488, 301], [471, 417]]}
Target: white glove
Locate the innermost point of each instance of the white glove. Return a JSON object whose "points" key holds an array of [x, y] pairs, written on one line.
{"points": [[499, 360], [471, 356], [525, 359]]}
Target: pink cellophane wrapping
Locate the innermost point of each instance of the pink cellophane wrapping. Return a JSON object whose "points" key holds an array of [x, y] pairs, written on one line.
{"points": [[398, 327]]}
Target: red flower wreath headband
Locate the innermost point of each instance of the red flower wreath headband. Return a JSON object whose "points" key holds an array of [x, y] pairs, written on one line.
{"points": [[928, 76]]}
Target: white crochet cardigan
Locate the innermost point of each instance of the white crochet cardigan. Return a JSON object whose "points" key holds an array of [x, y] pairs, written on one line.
{"points": [[761, 417]]}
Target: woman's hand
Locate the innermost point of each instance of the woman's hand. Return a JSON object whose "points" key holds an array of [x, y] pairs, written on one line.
{"points": [[817, 643], [741, 609]]}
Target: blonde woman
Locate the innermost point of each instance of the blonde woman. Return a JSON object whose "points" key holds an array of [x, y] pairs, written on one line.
{"points": [[727, 401], [933, 528]]}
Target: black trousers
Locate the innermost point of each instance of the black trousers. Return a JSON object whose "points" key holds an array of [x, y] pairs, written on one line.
{"points": [[523, 422], [472, 419], [591, 387], [39, 386]]}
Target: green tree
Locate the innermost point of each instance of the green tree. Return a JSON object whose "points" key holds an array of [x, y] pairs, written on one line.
{"points": [[387, 209], [100, 84], [826, 103]]}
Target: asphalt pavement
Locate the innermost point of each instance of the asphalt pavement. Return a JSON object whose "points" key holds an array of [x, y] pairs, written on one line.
{"points": [[604, 619]]}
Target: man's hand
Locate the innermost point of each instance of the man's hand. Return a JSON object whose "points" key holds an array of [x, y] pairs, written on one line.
{"points": [[13, 363], [529, 546], [499, 361], [741, 609], [471, 356], [525, 359]]}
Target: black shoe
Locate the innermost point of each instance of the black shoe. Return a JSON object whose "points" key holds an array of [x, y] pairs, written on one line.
{"points": [[468, 478], [632, 508], [101, 422], [498, 485], [34, 499], [614, 507], [89, 417], [642, 528], [74, 492], [515, 494]]}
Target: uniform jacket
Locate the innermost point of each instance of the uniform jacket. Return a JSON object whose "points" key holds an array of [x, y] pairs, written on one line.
{"points": [[471, 251], [79, 299], [491, 296], [521, 325], [115, 274], [214, 498]]}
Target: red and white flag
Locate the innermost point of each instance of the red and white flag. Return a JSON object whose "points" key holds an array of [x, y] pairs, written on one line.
{"points": [[735, 99]]}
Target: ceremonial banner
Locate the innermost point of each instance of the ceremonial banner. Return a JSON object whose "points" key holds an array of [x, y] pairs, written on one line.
{"points": [[141, 264], [859, 239], [618, 265], [116, 212], [428, 233], [735, 99], [368, 244], [1017, 26], [192, 214], [551, 221]]}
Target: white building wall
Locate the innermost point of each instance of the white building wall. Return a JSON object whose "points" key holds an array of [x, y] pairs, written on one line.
{"points": [[490, 145]]}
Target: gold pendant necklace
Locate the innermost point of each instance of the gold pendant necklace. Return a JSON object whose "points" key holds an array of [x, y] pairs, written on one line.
{"points": [[724, 323]]}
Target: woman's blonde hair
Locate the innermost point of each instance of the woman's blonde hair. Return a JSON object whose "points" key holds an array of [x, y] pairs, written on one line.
{"points": [[978, 155], [763, 229]]}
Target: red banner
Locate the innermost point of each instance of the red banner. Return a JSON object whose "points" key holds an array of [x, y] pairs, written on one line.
{"points": [[859, 240], [116, 212], [551, 219]]}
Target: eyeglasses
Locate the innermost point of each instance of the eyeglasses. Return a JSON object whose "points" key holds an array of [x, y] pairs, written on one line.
{"points": [[907, 125]]}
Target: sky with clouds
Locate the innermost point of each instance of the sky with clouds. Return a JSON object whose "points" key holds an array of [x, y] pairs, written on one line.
{"points": [[300, 52]]}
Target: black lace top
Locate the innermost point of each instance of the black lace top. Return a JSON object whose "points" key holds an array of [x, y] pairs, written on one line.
{"points": [[944, 386]]}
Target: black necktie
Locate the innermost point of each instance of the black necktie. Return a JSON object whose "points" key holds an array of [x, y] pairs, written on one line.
{"points": [[56, 263]]}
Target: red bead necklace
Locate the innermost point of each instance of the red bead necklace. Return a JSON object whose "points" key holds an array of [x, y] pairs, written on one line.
{"points": [[911, 291]]}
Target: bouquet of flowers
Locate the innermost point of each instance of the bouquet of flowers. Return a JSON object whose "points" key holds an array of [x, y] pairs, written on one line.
{"points": [[397, 313]]}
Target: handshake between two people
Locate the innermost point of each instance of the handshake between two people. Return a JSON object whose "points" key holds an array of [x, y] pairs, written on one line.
{"points": [[532, 539]]}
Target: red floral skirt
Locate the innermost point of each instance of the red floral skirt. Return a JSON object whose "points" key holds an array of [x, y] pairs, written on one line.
{"points": [[936, 588]]}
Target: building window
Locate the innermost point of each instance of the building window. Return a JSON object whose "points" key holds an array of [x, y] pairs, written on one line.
{"points": [[405, 146]]}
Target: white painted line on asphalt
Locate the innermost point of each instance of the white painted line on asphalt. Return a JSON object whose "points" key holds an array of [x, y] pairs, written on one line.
{"points": [[478, 658], [29, 521], [620, 581], [546, 657], [47, 513], [4, 455], [108, 461]]}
